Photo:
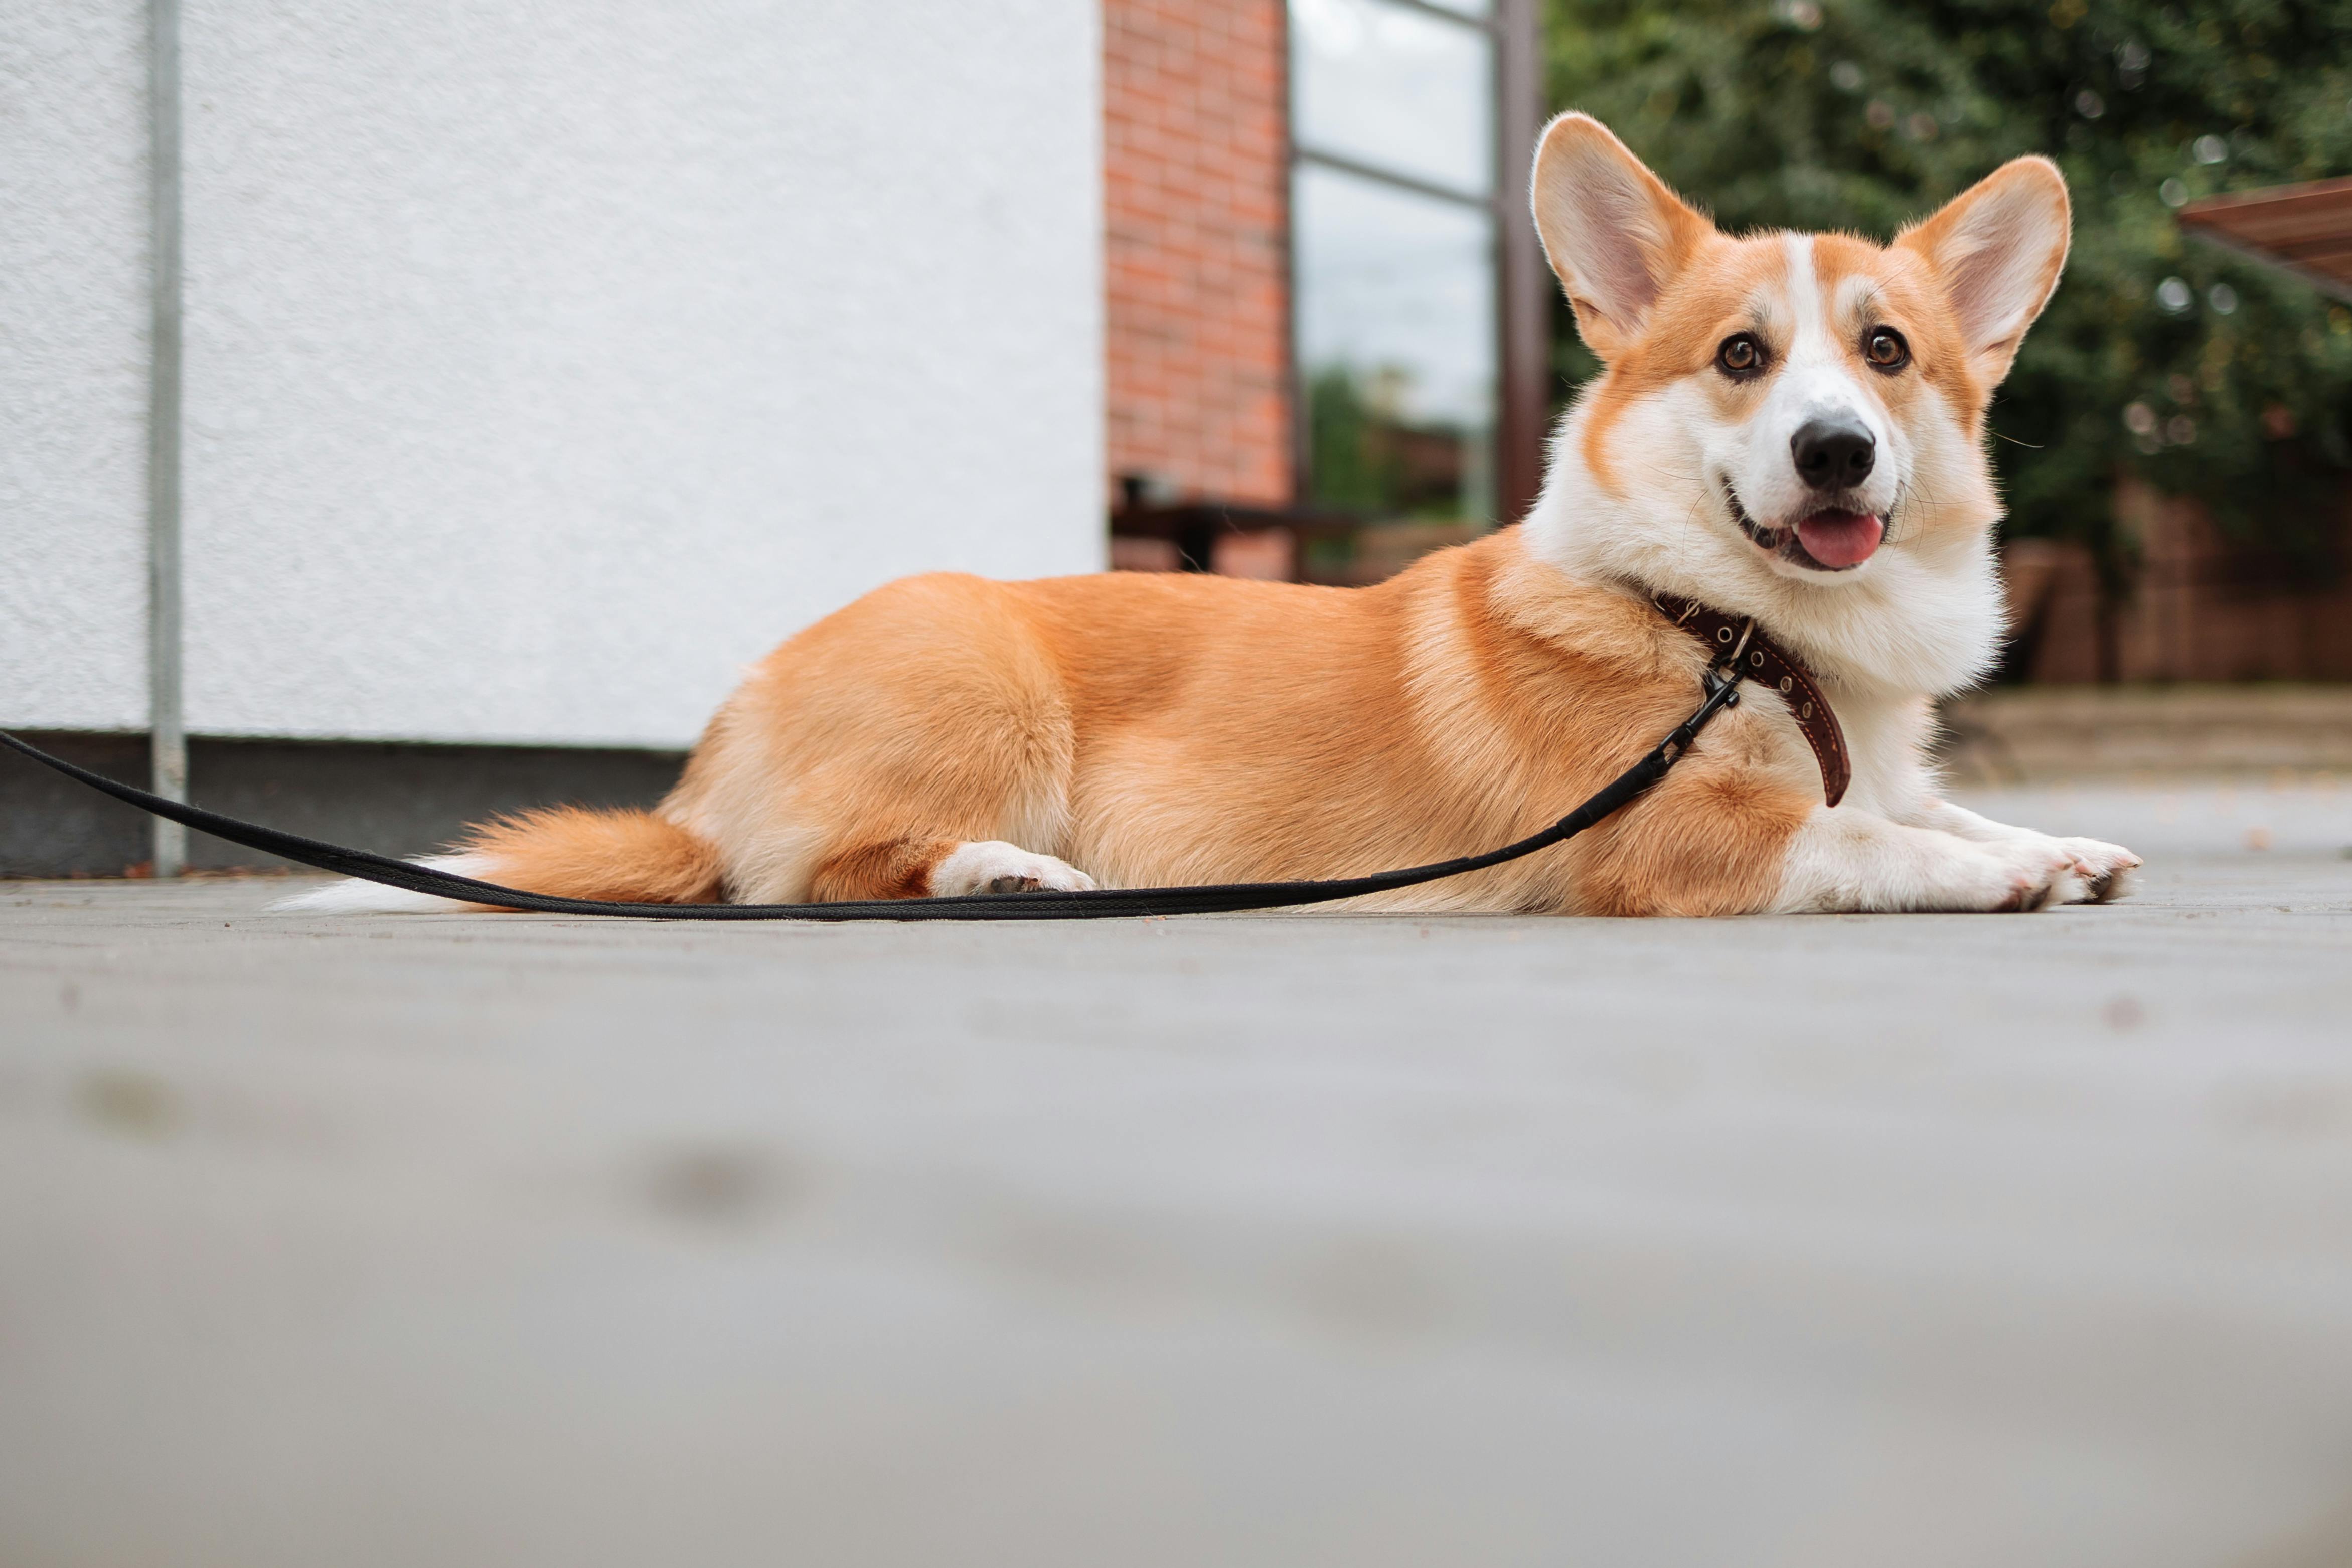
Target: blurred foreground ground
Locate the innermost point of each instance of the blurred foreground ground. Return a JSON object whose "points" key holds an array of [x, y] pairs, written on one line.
{"points": [[501, 1239]]}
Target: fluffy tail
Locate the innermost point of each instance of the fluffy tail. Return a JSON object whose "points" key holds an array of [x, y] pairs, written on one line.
{"points": [[628, 856]]}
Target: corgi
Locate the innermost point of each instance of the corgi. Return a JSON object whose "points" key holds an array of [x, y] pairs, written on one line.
{"points": [[1790, 429]]}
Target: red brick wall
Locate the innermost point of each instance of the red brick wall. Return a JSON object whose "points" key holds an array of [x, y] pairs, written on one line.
{"points": [[1196, 202]]}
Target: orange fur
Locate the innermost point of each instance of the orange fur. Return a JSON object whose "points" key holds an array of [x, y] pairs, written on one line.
{"points": [[894, 868], [1155, 730], [575, 853]]}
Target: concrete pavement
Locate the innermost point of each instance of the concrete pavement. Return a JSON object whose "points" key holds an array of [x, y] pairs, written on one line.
{"points": [[503, 1239]]}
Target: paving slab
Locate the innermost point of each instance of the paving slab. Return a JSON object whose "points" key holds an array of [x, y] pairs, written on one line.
{"points": [[1271, 1239]]}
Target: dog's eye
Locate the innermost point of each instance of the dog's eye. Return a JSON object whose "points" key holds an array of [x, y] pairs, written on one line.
{"points": [[1741, 355], [1887, 350]]}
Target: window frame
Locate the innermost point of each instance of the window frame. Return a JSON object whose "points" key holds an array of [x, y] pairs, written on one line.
{"points": [[1522, 303]]}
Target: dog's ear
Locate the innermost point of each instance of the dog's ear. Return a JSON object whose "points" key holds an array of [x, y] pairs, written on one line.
{"points": [[1613, 232], [1999, 246]]}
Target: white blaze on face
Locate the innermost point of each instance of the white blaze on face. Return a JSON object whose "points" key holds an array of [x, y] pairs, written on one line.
{"points": [[1816, 378]]}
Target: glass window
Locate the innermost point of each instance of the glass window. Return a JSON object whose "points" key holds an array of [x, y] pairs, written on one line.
{"points": [[1396, 347], [1395, 89], [1393, 235]]}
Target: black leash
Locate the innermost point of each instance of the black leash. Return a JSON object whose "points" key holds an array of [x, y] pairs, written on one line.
{"points": [[1100, 903]]}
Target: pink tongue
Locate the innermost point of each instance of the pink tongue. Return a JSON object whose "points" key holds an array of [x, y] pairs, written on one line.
{"points": [[1840, 537]]}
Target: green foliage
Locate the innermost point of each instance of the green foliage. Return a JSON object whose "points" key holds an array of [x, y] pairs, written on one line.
{"points": [[1351, 473], [1364, 456], [1864, 114]]}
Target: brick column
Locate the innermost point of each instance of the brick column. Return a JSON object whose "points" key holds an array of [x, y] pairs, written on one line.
{"points": [[1196, 200]]}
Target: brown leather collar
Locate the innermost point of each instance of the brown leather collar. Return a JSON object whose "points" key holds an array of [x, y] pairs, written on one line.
{"points": [[1765, 663]]}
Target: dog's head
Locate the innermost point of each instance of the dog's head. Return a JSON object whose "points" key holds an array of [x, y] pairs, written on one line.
{"points": [[1786, 413]]}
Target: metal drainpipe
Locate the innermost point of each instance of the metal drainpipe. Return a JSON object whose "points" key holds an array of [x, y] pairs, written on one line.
{"points": [[166, 729]]}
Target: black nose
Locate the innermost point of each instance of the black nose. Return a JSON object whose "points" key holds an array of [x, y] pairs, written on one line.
{"points": [[1832, 454]]}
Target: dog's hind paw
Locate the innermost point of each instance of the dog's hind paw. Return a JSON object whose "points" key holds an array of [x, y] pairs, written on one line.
{"points": [[993, 866]]}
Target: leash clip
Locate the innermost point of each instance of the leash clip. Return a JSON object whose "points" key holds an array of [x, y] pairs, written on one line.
{"points": [[1721, 683], [1725, 672]]}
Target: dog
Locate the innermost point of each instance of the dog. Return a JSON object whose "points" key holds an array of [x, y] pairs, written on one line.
{"points": [[1790, 430]]}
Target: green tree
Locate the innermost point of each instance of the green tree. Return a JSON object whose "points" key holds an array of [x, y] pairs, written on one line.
{"points": [[1350, 472], [2232, 383]]}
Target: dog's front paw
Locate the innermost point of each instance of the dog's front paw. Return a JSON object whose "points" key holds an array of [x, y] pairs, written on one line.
{"points": [[993, 866], [2039, 872], [2106, 868]]}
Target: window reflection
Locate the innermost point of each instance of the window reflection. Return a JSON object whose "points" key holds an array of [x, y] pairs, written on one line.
{"points": [[1397, 89], [1396, 347]]}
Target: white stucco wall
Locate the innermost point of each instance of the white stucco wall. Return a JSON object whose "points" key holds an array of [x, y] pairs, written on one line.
{"points": [[546, 365], [74, 307]]}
